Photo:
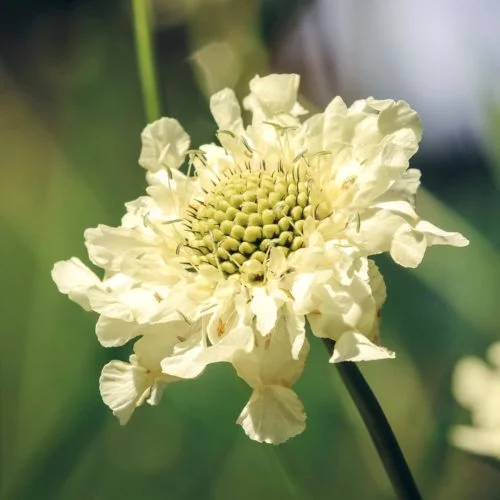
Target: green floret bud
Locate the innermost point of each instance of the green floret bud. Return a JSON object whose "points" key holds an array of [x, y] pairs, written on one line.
{"points": [[230, 244], [285, 238], [280, 188], [222, 254], [267, 184], [238, 258], [204, 212], [221, 204], [265, 244], [267, 216], [302, 187], [299, 226], [285, 250], [284, 224], [250, 196], [208, 243], [291, 200], [237, 232], [303, 199], [236, 200], [217, 234], [296, 212], [247, 248], [308, 211], [274, 198], [322, 211], [228, 267], [252, 233], [231, 213], [241, 219], [249, 207], [255, 220], [264, 204], [298, 242], [226, 226], [260, 256], [211, 259], [281, 209], [219, 216], [270, 230]]}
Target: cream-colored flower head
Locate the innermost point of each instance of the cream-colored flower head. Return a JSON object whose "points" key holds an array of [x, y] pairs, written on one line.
{"points": [[476, 386], [271, 228]]}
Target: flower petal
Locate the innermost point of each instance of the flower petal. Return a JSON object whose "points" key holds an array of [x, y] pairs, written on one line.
{"points": [[226, 111], [123, 388], [273, 359], [356, 347], [110, 247], [159, 343], [408, 246], [272, 415], [112, 332], [74, 278], [479, 441], [400, 121], [192, 358], [265, 309], [471, 381], [272, 95], [435, 236], [164, 145]]}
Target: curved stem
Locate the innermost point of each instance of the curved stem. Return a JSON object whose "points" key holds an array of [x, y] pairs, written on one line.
{"points": [[378, 427], [145, 58]]}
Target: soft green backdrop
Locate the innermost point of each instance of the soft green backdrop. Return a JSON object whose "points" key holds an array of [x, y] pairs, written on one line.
{"points": [[70, 120]]}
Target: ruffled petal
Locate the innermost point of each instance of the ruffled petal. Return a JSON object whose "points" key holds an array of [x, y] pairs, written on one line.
{"points": [[479, 441], [123, 388], [274, 359], [471, 381], [191, 358], [339, 309], [400, 122], [265, 308], [128, 304], [158, 343], [112, 332], [435, 236], [74, 278], [273, 95], [273, 415], [226, 111], [408, 246], [164, 145], [356, 347]]}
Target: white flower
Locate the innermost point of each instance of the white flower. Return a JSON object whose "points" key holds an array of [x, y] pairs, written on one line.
{"points": [[273, 231], [476, 386]]}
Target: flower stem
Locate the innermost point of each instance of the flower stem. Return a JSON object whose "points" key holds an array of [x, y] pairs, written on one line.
{"points": [[145, 58], [378, 427]]}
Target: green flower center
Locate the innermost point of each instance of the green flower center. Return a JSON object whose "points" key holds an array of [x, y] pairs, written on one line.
{"points": [[245, 215]]}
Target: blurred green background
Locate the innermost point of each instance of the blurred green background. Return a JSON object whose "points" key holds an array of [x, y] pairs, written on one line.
{"points": [[70, 121]]}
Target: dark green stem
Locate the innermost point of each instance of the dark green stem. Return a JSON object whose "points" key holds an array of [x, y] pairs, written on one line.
{"points": [[378, 427]]}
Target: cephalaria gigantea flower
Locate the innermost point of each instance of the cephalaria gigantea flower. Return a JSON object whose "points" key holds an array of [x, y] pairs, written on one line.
{"points": [[270, 230]]}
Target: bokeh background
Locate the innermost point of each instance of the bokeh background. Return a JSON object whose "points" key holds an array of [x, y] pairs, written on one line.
{"points": [[70, 119]]}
